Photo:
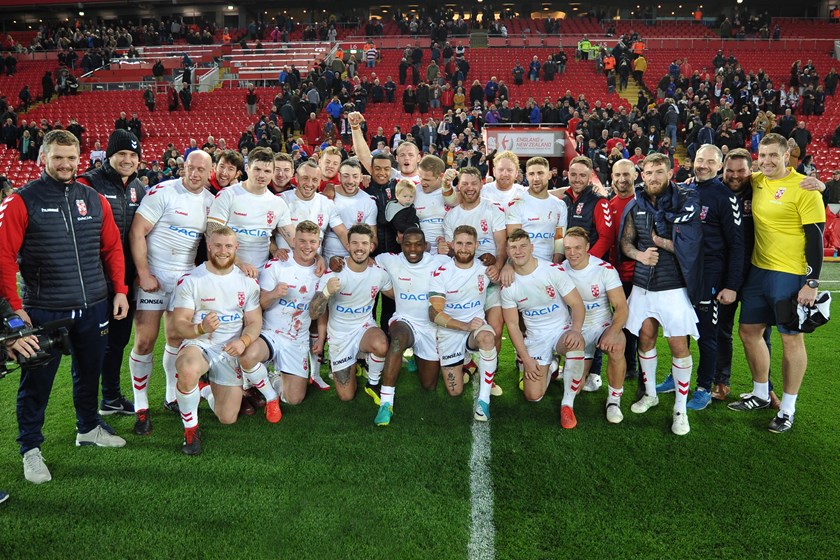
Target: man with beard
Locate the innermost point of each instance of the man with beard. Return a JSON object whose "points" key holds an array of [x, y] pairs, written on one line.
{"points": [[408, 154], [723, 265], [217, 315], [284, 170], [348, 295], [164, 236], [457, 296], [410, 272], [286, 290], [660, 295], [504, 188], [329, 162], [227, 170], [553, 313]]}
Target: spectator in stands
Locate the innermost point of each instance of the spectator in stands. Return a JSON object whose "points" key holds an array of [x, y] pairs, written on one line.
{"points": [[251, 100], [534, 69], [432, 72], [10, 134], [831, 194], [802, 137], [476, 93], [186, 97], [390, 89], [10, 62], [312, 130], [122, 122], [830, 82], [27, 147], [149, 98], [518, 74], [409, 99], [76, 130], [25, 97], [172, 98]]}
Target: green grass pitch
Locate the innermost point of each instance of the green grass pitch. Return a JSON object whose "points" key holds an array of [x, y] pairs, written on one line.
{"points": [[326, 483]]}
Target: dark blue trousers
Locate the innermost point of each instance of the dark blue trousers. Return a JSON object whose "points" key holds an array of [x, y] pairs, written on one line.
{"points": [[119, 333]]}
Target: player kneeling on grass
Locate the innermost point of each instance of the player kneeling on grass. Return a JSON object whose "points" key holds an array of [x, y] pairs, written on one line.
{"points": [[348, 293], [545, 295], [217, 313], [286, 290], [457, 294], [599, 286]]}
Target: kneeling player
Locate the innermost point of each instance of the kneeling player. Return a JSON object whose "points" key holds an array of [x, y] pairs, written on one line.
{"points": [[598, 284], [542, 292], [349, 295], [457, 294], [217, 313], [286, 290]]}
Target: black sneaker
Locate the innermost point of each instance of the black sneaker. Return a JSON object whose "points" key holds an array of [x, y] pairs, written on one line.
{"points": [[143, 424], [781, 423], [120, 405], [192, 442], [172, 407], [749, 402], [255, 397]]}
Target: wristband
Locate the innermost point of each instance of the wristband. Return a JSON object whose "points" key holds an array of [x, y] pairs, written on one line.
{"points": [[246, 340], [441, 320], [326, 291], [357, 127], [199, 330]]}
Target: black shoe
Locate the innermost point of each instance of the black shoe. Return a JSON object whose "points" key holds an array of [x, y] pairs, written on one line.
{"points": [[143, 425], [172, 407], [640, 390], [749, 402], [630, 375], [256, 398], [192, 442], [119, 405], [781, 423]]}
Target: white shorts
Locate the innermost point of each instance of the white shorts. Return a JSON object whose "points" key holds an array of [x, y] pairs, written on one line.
{"points": [[289, 356], [494, 297], [453, 345], [224, 369], [541, 348], [344, 347], [591, 335], [425, 345], [160, 300], [671, 308]]}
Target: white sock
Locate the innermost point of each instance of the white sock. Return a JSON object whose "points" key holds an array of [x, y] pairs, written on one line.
{"points": [[375, 366], [259, 379], [681, 370], [207, 394], [614, 395], [277, 385], [487, 362], [788, 405], [140, 366], [315, 364], [188, 404], [386, 395], [572, 377], [762, 390], [649, 362], [170, 354]]}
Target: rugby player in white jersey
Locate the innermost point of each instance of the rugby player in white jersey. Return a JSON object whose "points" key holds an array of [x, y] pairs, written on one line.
{"points": [[164, 237], [410, 326], [457, 296], [488, 220], [408, 154], [348, 295], [253, 212], [217, 315], [542, 216], [353, 205], [553, 313], [504, 188], [429, 200], [286, 290], [599, 286]]}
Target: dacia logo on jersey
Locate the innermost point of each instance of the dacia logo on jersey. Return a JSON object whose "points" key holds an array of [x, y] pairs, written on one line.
{"points": [[232, 318], [250, 232], [542, 311], [538, 235], [414, 297], [467, 305], [185, 231], [354, 311], [591, 306], [432, 221], [292, 305]]}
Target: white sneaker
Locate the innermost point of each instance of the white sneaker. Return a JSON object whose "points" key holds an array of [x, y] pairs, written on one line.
{"points": [[100, 438], [680, 424], [644, 404], [34, 468], [593, 383], [496, 391], [614, 415]]}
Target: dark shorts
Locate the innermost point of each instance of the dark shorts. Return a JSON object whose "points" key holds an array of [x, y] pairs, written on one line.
{"points": [[762, 290]]}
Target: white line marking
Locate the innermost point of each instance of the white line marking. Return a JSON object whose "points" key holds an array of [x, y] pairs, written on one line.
{"points": [[482, 545]]}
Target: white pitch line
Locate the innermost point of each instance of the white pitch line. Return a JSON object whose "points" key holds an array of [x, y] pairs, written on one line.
{"points": [[482, 545]]}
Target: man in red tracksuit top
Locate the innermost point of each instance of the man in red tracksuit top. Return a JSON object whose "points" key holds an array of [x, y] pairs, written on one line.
{"points": [[66, 240]]}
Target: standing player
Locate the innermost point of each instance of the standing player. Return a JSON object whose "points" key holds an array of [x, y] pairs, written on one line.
{"points": [[353, 205], [457, 295], [348, 295], [410, 327], [599, 286], [660, 295], [217, 314], [545, 295], [408, 154], [165, 235], [504, 188], [286, 290], [431, 200], [284, 171]]}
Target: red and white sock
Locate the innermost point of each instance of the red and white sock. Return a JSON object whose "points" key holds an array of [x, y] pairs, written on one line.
{"points": [[206, 393], [572, 377], [649, 361], [375, 366], [170, 354], [188, 404], [386, 395], [140, 366], [681, 370], [315, 366], [614, 395], [259, 380], [487, 362]]}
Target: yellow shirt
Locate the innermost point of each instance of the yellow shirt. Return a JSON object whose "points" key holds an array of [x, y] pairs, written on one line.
{"points": [[780, 208]]}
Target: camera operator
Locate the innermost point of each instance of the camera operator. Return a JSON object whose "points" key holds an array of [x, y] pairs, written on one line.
{"points": [[66, 240]]}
